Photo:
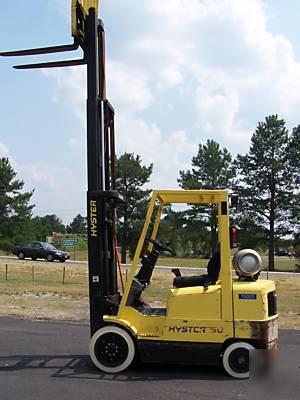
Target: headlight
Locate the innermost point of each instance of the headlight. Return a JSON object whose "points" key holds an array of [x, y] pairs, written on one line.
{"points": [[247, 262], [58, 253]]}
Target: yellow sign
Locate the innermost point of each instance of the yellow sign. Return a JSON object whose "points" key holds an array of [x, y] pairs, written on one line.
{"points": [[86, 5]]}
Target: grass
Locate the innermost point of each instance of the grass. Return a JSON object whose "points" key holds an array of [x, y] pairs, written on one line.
{"points": [[79, 255], [48, 298], [281, 264]]}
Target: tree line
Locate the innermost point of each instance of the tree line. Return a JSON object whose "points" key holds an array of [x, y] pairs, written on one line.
{"points": [[17, 223], [266, 179]]}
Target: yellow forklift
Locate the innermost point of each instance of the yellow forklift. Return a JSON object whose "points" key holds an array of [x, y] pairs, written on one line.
{"points": [[209, 318]]}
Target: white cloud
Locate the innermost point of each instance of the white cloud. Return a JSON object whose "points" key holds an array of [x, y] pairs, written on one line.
{"points": [[129, 87], [131, 96], [168, 153], [217, 55], [238, 70], [4, 152], [70, 89], [57, 189]]}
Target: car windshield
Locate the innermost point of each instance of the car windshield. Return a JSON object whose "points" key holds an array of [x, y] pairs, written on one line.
{"points": [[48, 246]]}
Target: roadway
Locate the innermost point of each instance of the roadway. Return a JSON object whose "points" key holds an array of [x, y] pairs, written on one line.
{"points": [[264, 274], [48, 360]]}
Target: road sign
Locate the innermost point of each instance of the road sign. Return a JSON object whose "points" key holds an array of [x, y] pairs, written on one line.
{"points": [[69, 242]]}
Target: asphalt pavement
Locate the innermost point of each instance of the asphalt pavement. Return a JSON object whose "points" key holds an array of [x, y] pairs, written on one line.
{"points": [[43, 360]]}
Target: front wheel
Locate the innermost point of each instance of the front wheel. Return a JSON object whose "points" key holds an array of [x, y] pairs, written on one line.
{"points": [[112, 349], [21, 255], [236, 359], [50, 257]]}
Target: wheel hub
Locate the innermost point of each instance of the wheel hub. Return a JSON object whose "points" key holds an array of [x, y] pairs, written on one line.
{"points": [[111, 349], [239, 360]]}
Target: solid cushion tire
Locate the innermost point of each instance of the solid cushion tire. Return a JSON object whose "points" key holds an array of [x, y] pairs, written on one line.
{"points": [[111, 329], [226, 359]]}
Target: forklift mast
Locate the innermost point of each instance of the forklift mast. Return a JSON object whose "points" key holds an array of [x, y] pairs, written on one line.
{"points": [[102, 197]]}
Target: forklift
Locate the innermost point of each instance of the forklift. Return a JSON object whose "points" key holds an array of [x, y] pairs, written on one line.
{"points": [[208, 319]]}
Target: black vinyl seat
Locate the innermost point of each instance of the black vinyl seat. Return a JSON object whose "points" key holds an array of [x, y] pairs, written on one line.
{"points": [[213, 271]]}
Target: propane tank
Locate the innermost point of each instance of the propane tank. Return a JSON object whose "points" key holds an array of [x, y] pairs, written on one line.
{"points": [[247, 263]]}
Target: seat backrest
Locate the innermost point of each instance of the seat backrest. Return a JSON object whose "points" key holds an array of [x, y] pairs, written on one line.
{"points": [[213, 267], [146, 270], [135, 292]]}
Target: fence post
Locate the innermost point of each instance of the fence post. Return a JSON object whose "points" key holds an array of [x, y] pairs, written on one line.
{"points": [[64, 275], [6, 272], [126, 274], [33, 274]]}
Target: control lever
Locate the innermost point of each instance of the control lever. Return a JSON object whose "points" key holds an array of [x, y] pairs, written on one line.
{"points": [[176, 272]]}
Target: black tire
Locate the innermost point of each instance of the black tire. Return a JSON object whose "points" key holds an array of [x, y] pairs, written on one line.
{"points": [[50, 258], [236, 359], [33, 258], [21, 255], [62, 260], [112, 349]]}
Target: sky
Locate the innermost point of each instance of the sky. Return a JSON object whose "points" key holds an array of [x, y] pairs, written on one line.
{"points": [[179, 72]]}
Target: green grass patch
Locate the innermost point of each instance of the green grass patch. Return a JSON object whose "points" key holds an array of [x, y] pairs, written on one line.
{"points": [[281, 264]]}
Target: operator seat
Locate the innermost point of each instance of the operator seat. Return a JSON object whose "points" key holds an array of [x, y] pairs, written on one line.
{"points": [[213, 271]]}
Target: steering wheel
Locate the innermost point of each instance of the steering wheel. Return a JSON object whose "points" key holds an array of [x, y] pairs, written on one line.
{"points": [[160, 246]]}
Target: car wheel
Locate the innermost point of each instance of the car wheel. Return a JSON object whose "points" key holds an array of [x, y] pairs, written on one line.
{"points": [[33, 258], [21, 255], [62, 260], [112, 349], [50, 257], [236, 359]]}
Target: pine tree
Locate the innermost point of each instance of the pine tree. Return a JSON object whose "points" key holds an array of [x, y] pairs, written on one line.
{"points": [[294, 165], [78, 225], [131, 176], [266, 183], [46, 225], [212, 168], [15, 210]]}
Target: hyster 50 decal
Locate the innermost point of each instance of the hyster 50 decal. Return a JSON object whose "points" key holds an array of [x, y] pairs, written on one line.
{"points": [[195, 329], [93, 218]]}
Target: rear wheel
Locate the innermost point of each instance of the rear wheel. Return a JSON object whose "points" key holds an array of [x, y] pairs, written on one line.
{"points": [[33, 258], [21, 255], [112, 349], [50, 257], [236, 359]]}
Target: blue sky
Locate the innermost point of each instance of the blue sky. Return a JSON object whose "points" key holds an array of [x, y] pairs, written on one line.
{"points": [[179, 72]]}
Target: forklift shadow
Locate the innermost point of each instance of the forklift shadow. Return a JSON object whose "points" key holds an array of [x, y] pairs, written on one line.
{"points": [[81, 367]]}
